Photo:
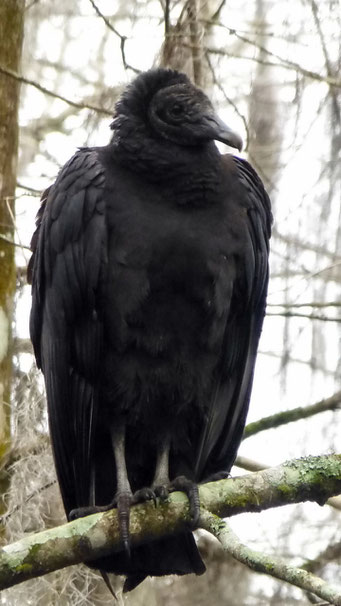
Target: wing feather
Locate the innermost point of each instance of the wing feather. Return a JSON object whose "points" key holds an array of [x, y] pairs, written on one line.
{"points": [[227, 411], [66, 329]]}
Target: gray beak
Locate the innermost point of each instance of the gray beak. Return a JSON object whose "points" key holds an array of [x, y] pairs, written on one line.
{"points": [[221, 132]]}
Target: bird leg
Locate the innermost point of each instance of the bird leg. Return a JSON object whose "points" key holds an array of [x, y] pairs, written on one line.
{"points": [[161, 478], [162, 486], [124, 496]]}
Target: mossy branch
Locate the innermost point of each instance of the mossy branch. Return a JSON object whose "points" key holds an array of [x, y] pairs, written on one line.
{"points": [[272, 565], [307, 479], [295, 414]]}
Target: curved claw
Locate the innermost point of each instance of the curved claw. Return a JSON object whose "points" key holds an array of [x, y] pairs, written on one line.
{"points": [[123, 502], [190, 488], [144, 494], [161, 491]]}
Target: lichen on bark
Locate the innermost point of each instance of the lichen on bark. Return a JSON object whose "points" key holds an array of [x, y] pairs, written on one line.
{"points": [[11, 37]]}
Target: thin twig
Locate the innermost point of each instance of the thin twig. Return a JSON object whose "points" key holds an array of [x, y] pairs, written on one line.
{"points": [[18, 244], [331, 80], [229, 101], [329, 68], [292, 314], [122, 38], [11, 74], [32, 190], [316, 304], [249, 464]]}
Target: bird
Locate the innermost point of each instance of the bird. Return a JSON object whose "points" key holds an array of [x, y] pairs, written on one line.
{"points": [[149, 275]]}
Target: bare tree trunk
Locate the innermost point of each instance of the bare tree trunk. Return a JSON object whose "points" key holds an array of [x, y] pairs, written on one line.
{"points": [[11, 37], [183, 48], [265, 129]]}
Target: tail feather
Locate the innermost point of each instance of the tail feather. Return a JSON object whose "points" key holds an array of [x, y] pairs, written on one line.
{"points": [[171, 555]]}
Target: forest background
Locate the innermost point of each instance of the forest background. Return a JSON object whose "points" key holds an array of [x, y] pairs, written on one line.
{"points": [[272, 69]]}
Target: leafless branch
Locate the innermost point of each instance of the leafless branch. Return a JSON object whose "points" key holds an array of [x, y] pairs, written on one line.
{"points": [[32, 190], [268, 564], [317, 305], [295, 414], [117, 33], [229, 101], [17, 244], [329, 69], [292, 314], [249, 464], [11, 74], [283, 62]]}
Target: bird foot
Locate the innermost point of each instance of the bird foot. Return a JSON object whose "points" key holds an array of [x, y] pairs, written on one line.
{"points": [[161, 491], [144, 494], [124, 501], [190, 489]]}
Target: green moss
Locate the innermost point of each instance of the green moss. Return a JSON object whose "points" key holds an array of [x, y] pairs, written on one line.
{"points": [[23, 568], [33, 551], [284, 489]]}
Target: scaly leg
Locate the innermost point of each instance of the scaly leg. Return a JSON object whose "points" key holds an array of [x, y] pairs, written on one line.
{"points": [[161, 477], [124, 496], [162, 485]]}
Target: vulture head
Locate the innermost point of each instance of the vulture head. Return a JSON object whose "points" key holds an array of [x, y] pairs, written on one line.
{"points": [[171, 108]]}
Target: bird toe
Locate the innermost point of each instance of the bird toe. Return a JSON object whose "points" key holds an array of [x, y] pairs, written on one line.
{"points": [[190, 488]]}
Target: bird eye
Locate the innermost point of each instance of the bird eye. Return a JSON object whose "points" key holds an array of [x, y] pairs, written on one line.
{"points": [[176, 110]]}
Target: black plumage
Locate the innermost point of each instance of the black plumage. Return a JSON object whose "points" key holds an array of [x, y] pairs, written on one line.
{"points": [[149, 276]]}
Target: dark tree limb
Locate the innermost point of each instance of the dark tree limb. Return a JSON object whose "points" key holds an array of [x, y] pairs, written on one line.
{"points": [[307, 479]]}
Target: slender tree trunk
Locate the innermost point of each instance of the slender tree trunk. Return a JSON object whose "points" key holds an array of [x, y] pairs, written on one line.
{"points": [[11, 37]]}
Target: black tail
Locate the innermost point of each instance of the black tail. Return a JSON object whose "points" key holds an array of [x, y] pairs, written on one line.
{"points": [[172, 555]]}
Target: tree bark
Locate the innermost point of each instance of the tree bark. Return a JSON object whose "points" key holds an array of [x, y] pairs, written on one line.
{"points": [[11, 38], [306, 479]]}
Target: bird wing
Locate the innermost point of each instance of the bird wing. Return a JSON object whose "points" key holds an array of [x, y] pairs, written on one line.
{"points": [[225, 420], [65, 270]]}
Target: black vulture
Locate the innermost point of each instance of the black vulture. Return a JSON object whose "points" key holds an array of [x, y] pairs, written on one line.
{"points": [[149, 276]]}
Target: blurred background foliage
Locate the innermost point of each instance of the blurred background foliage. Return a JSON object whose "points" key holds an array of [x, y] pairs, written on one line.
{"points": [[272, 68]]}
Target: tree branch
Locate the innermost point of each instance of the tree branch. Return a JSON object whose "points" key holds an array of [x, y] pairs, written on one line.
{"points": [[292, 314], [283, 62], [11, 74], [295, 414], [266, 564], [316, 304], [251, 465], [122, 38], [307, 479]]}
